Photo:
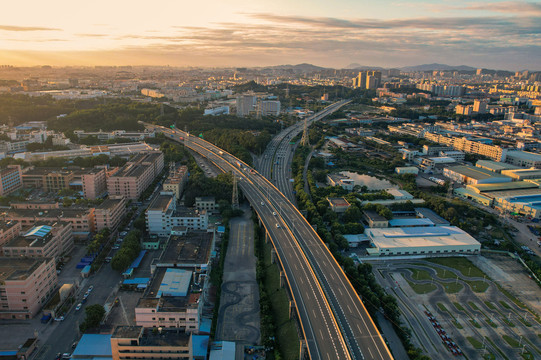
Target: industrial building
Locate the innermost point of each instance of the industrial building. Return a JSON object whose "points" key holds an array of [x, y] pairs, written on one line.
{"points": [[495, 166], [423, 241], [473, 175], [523, 174], [524, 159], [163, 215]]}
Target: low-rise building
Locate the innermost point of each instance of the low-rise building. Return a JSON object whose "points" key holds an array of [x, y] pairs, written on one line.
{"points": [[176, 180], [524, 159], [168, 302], [523, 174], [375, 220], [341, 180], [188, 250], [9, 230], [473, 175], [206, 203], [407, 170], [51, 240], [338, 204], [10, 179], [495, 166], [136, 342], [25, 286], [162, 215], [421, 241], [110, 213]]}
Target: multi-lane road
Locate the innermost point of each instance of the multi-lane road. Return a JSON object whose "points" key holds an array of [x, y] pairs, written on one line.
{"points": [[334, 321]]}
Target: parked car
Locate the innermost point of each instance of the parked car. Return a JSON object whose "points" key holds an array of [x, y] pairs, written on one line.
{"points": [[90, 288], [78, 307], [60, 318]]}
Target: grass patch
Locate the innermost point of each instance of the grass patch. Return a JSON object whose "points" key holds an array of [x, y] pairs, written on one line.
{"points": [[473, 306], [489, 356], [475, 323], [443, 273], [461, 264], [490, 305], [452, 288], [475, 343], [478, 286], [527, 355], [459, 307], [443, 308], [504, 304], [512, 342], [495, 347], [286, 331], [422, 288], [418, 274]]}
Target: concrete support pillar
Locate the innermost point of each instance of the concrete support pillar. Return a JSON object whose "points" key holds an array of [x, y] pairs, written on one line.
{"points": [[291, 309], [267, 237], [302, 350], [282, 279], [273, 256]]}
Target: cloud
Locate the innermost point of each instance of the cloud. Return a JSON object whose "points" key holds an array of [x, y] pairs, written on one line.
{"points": [[508, 7], [26, 28]]}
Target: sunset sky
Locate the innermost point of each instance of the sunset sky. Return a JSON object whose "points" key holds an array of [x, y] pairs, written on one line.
{"points": [[334, 33]]}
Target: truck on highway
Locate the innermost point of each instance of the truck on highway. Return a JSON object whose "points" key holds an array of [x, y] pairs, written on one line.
{"points": [[239, 164], [220, 152]]}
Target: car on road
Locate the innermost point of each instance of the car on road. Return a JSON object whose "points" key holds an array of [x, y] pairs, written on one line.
{"points": [[90, 288], [60, 318], [78, 307], [124, 233], [108, 259], [116, 247], [262, 203], [58, 356], [277, 225], [273, 213]]}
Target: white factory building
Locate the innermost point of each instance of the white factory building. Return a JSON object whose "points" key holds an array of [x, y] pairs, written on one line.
{"points": [[420, 241]]}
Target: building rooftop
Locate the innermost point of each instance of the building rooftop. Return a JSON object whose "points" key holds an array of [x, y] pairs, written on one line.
{"points": [[410, 222], [429, 214], [475, 172], [6, 225], [127, 332], [205, 198], [175, 282], [524, 155], [338, 201], [495, 165], [48, 214], [18, 268], [523, 172], [93, 345], [109, 203], [515, 185], [161, 203], [419, 237], [188, 250], [374, 216]]}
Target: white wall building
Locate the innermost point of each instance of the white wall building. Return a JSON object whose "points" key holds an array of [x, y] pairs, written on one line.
{"points": [[162, 216]]}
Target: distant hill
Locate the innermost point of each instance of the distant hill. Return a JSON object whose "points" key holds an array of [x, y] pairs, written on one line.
{"points": [[299, 67], [435, 66], [357, 66]]}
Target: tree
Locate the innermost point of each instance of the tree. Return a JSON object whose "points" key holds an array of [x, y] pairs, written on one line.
{"points": [[94, 314], [352, 214]]}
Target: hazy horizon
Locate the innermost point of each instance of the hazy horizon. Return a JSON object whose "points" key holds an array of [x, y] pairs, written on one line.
{"points": [[488, 34]]}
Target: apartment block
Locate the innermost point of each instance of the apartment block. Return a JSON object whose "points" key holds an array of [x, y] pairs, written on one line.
{"points": [[494, 152], [25, 286], [163, 215], [51, 240], [176, 180], [9, 230], [94, 183], [136, 175], [136, 342], [110, 213], [82, 220], [10, 179], [47, 179], [270, 107]]}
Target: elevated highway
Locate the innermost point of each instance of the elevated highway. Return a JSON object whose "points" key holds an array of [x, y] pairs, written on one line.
{"points": [[334, 321]]}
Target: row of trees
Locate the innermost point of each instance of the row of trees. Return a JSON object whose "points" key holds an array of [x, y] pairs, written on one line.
{"points": [[131, 246], [93, 316]]}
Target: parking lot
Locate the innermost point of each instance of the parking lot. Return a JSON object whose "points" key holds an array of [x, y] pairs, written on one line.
{"points": [[451, 312]]}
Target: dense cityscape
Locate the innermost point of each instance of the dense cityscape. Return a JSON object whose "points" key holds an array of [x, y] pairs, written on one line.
{"points": [[171, 189]]}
